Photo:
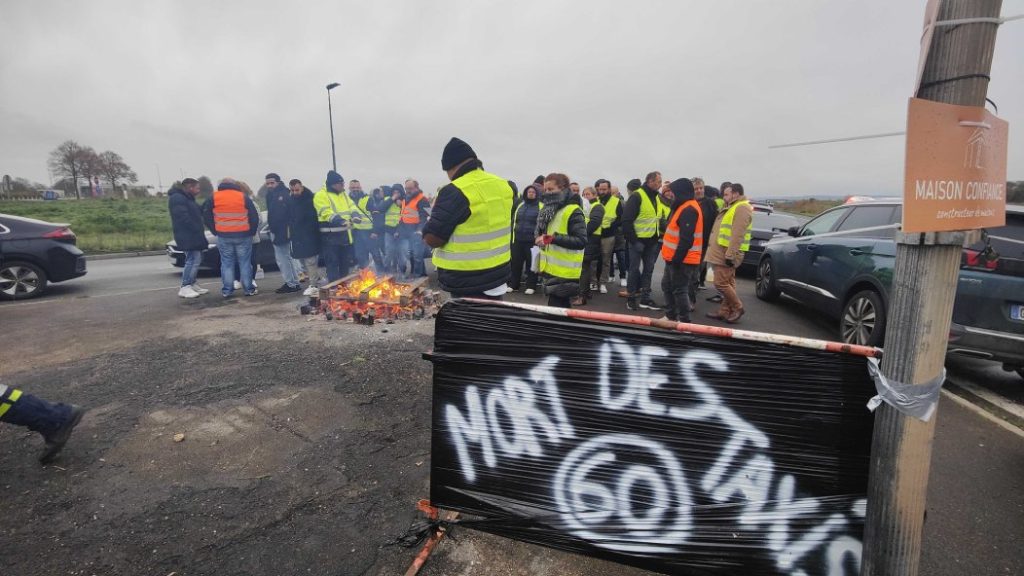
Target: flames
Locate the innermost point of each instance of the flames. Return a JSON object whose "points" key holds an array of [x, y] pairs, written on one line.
{"points": [[365, 298]]}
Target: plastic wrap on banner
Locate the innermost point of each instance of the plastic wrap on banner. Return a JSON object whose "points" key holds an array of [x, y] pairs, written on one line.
{"points": [[917, 400], [674, 452]]}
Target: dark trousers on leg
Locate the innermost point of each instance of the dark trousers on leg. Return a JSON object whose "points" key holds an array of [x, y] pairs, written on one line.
{"points": [[521, 261], [676, 286]]}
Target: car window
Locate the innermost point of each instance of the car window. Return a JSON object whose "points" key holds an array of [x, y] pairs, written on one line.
{"points": [[824, 222], [869, 217], [774, 222]]}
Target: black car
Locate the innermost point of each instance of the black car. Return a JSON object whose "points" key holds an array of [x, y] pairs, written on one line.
{"points": [[842, 263], [262, 250], [34, 253], [767, 225]]}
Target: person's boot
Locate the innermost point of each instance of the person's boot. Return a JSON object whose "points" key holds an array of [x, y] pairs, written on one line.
{"points": [[632, 305], [735, 316], [578, 301], [56, 441]]}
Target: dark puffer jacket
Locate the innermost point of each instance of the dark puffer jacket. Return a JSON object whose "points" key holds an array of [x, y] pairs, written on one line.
{"points": [[593, 249], [304, 228], [186, 220], [278, 212]]}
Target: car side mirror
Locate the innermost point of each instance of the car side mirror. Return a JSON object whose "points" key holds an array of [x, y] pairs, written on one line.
{"points": [[793, 231]]}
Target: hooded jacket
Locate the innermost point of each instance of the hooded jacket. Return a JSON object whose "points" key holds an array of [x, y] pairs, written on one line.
{"points": [[687, 221], [525, 216], [278, 216], [186, 220], [303, 226]]}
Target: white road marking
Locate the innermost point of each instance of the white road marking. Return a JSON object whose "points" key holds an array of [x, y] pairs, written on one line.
{"points": [[990, 396], [45, 300]]}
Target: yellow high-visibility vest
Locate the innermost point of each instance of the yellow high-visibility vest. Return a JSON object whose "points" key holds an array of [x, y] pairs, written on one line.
{"points": [[483, 241], [393, 215], [327, 205], [646, 223], [555, 260], [610, 211], [725, 228], [367, 222]]}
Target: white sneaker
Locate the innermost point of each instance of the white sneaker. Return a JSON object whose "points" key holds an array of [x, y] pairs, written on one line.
{"points": [[529, 291], [254, 286], [610, 279], [238, 285], [603, 289], [622, 282], [509, 290], [199, 289], [187, 292], [311, 291]]}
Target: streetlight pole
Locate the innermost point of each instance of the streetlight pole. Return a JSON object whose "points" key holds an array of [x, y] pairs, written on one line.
{"points": [[330, 116]]}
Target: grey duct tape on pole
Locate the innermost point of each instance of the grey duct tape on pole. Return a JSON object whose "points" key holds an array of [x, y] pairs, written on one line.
{"points": [[917, 400]]}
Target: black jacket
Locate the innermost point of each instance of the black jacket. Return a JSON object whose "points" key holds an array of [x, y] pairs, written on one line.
{"points": [[632, 210], [451, 208], [710, 211], [278, 212], [303, 227], [186, 220]]}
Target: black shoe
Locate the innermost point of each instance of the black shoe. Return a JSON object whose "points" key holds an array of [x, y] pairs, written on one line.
{"points": [[717, 298], [56, 441], [649, 304], [287, 289], [631, 305]]}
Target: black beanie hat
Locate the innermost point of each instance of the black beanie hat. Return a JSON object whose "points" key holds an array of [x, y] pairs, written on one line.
{"points": [[682, 189], [333, 178], [455, 152], [633, 185], [272, 175]]}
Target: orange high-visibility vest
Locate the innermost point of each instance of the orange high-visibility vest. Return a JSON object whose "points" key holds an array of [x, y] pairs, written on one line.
{"points": [[671, 241], [229, 212], [411, 209]]}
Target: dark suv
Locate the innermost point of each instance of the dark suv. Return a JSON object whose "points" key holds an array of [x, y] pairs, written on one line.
{"points": [[841, 263]]}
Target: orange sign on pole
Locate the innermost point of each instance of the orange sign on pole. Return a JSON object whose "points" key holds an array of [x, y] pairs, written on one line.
{"points": [[956, 168]]}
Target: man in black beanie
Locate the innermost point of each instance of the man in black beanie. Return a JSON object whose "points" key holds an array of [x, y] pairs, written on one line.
{"points": [[470, 226]]}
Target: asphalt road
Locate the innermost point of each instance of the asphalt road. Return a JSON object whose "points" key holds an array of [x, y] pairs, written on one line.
{"points": [[268, 477]]}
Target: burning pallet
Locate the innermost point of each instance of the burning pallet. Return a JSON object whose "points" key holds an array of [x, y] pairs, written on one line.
{"points": [[365, 298]]}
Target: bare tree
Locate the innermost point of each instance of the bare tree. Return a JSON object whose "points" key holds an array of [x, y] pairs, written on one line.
{"points": [[92, 166], [114, 168], [66, 163]]}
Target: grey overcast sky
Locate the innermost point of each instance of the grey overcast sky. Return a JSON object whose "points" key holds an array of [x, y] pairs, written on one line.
{"points": [[592, 88]]}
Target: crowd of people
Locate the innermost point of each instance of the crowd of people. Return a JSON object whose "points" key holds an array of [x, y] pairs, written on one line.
{"points": [[486, 238]]}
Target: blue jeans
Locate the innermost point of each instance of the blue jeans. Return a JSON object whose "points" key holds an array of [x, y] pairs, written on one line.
{"points": [[336, 260], [411, 248], [397, 256], [642, 253], [191, 269], [235, 251], [361, 238], [285, 263]]}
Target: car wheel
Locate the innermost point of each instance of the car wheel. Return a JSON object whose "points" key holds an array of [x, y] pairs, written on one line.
{"points": [[863, 319], [764, 283], [21, 280]]}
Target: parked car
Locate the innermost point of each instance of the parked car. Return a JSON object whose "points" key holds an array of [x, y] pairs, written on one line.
{"points": [[34, 253], [767, 225], [841, 263], [262, 250]]}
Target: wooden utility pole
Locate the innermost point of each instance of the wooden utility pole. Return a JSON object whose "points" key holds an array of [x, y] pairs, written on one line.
{"points": [[924, 286]]}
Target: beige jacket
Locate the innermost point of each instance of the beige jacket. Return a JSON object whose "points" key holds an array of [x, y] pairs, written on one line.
{"points": [[718, 254]]}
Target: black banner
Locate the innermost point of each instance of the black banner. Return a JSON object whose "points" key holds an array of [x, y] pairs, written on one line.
{"points": [[669, 451]]}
